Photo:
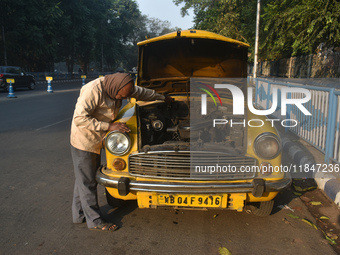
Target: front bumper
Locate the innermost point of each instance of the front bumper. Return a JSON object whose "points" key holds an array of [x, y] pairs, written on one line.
{"points": [[257, 186]]}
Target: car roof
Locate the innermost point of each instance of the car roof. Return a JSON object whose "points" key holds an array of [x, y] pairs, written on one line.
{"points": [[193, 34]]}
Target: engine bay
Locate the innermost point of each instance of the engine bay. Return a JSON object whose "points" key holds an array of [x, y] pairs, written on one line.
{"points": [[178, 126]]}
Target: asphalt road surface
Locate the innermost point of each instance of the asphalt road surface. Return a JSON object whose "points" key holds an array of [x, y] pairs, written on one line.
{"points": [[36, 185]]}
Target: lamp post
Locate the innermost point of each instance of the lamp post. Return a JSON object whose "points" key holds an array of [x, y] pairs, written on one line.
{"points": [[257, 38], [102, 48]]}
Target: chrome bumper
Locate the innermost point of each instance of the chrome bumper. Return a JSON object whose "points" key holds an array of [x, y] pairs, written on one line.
{"points": [[256, 186]]}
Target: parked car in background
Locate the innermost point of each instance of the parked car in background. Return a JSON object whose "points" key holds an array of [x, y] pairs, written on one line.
{"points": [[21, 78]]}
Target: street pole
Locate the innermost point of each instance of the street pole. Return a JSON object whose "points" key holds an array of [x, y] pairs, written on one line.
{"points": [[4, 42], [257, 38], [102, 57]]}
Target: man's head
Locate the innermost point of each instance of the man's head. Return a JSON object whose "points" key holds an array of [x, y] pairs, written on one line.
{"points": [[118, 85], [125, 92]]}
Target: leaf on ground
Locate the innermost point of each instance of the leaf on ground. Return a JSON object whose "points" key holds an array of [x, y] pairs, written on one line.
{"points": [[297, 188], [324, 218], [310, 223], [224, 251], [315, 203], [293, 216], [330, 240], [297, 194], [305, 199]]}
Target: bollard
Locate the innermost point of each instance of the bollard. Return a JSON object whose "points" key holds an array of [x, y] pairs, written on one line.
{"points": [[49, 86], [10, 90], [83, 77]]}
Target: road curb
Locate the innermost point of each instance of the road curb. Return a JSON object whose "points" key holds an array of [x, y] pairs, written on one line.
{"points": [[325, 181], [330, 185], [60, 81]]}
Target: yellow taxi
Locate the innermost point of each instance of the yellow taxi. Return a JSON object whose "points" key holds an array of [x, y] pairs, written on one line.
{"points": [[182, 155]]}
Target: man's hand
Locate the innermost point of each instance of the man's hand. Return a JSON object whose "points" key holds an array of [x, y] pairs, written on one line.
{"points": [[119, 126], [168, 100]]}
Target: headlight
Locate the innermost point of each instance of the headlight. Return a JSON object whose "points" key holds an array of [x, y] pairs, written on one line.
{"points": [[267, 146], [117, 143]]}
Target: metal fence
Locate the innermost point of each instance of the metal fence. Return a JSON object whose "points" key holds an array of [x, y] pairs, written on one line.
{"points": [[321, 128]]}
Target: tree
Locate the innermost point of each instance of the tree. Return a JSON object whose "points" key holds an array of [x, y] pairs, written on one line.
{"points": [[232, 18], [295, 27], [77, 32], [287, 27], [37, 33], [29, 31], [224, 17]]}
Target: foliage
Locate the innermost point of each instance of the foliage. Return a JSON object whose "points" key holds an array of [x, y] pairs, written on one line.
{"points": [[37, 33], [287, 27], [232, 18], [295, 27], [34, 33]]}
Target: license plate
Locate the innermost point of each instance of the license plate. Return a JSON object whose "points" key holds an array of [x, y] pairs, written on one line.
{"points": [[190, 200]]}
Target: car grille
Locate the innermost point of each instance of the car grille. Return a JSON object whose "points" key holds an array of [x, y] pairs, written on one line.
{"points": [[177, 165]]}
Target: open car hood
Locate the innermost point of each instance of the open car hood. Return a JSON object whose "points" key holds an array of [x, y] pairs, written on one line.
{"points": [[187, 54]]}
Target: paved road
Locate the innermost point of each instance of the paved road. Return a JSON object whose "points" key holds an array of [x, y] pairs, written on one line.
{"points": [[36, 184]]}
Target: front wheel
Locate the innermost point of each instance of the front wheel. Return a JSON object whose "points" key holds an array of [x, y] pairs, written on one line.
{"points": [[114, 202], [5, 87], [262, 208], [31, 86]]}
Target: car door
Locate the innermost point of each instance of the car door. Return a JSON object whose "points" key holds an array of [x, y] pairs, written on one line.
{"points": [[12, 73], [20, 77]]}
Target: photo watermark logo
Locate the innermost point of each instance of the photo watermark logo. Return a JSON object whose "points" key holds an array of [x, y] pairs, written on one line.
{"points": [[233, 138]]}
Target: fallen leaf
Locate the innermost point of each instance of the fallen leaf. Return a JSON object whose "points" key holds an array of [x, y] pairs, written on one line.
{"points": [[305, 199], [293, 216], [332, 241], [287, 222], [224, 251], [315, 203], [215, 215], [324, 218], [297, 188], [298, 208], [297, 194], [310, 223]]}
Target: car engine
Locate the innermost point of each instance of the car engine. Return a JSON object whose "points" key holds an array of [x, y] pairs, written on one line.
{"points": [[177, 127]]}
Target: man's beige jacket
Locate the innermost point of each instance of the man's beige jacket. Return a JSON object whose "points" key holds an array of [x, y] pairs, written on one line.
{"points": [[95, 110]]}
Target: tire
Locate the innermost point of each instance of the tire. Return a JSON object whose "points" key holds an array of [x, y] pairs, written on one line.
{"points": [[114, 202], [262, 208], [31, 86], [6, 87]]}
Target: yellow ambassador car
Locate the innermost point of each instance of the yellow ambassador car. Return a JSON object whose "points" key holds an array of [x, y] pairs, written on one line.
{"points": [[168, 160]]}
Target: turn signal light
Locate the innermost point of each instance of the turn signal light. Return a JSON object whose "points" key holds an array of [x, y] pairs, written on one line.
{"points": [[119, 164], [266, 168]]}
